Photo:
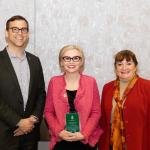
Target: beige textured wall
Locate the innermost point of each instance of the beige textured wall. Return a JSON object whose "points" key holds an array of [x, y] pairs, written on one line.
{"points": [[100, 27]]}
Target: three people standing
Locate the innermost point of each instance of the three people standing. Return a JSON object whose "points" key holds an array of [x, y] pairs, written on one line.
{"points": [[125, 102]]}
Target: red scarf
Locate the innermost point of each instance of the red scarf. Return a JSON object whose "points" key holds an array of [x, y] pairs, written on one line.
{"points": [[117, 137]]}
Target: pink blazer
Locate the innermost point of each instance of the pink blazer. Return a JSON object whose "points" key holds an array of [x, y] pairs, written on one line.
{"points": [[87, 104], [136, 116]]}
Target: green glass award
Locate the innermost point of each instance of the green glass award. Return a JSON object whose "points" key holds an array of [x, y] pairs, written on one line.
{"points": [[72, 122]]}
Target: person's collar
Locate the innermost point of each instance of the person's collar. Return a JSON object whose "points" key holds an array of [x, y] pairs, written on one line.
{"points": [[13, 55]]}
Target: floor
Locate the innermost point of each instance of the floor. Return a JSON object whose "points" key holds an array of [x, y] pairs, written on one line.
{"points": [[43, 145]]}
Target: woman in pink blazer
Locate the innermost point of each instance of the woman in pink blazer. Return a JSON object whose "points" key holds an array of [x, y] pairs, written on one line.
{"points": [[75, 93], [126, 107]]}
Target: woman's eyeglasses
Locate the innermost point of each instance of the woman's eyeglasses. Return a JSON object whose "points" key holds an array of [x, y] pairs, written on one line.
{"points": [[74, 59]]}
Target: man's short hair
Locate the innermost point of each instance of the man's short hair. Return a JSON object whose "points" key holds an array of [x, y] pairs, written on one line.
{"points": [[13, 18]]}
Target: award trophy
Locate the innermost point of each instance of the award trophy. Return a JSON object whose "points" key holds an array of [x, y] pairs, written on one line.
{"points": [[72, 122]]}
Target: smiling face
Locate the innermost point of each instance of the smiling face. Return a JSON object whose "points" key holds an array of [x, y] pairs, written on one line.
{"points": [[125, 65], [125, 70], [71, 61], [14, 39]]}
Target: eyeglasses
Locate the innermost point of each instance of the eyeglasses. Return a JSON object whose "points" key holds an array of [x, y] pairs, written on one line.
{"points": [[74, 59], [16, 30]]}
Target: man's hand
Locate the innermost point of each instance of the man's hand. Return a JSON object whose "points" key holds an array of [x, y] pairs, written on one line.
{"points": [[25, 126], [18, 132]]}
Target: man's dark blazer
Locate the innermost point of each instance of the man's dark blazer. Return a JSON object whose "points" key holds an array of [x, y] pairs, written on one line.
{"points": [[11, 100]]}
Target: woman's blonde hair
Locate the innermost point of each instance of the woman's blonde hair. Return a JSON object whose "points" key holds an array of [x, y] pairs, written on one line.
{"points": [[68, 48]]}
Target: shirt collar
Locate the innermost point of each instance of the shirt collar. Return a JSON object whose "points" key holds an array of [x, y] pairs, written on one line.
{"points": [[12, 55]]}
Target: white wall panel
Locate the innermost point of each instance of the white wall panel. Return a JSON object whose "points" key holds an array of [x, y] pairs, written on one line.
{"points": [[100, 27], [26, 8]]}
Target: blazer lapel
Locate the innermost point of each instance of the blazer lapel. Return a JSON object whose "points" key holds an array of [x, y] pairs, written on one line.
{"points": [[9, 66], [109, 98], [31, 67]]}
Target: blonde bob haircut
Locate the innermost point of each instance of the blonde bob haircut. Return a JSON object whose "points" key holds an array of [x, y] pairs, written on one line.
{"points": [[69, 48]]}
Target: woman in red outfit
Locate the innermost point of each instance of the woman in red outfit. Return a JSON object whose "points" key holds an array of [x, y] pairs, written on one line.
{"points": [[126, 107], [77, 94]]}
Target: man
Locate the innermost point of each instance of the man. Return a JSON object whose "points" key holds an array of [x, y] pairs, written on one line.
{"points": [[22, 90]]}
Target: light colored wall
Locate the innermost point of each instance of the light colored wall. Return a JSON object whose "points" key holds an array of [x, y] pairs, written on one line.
{"points": [[100, 27], [25, 8]]}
